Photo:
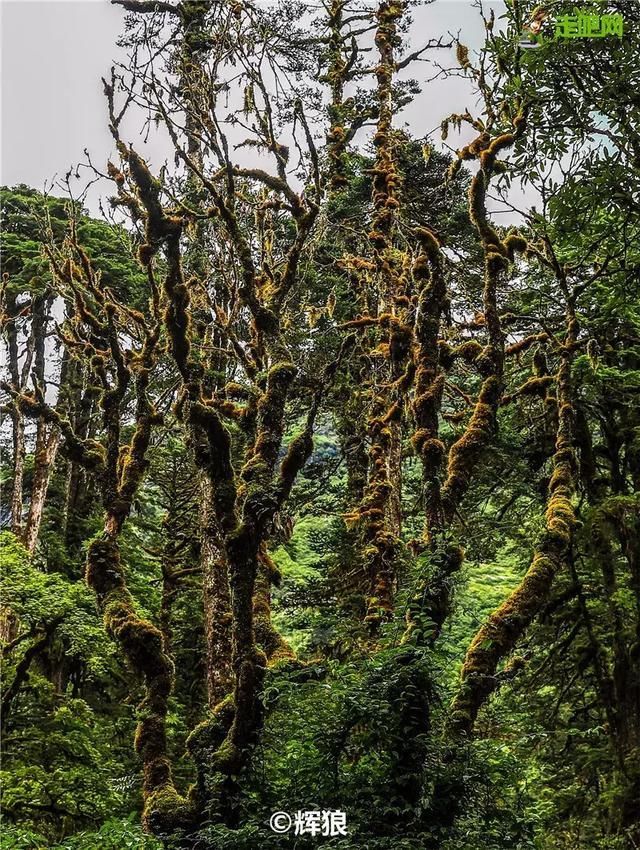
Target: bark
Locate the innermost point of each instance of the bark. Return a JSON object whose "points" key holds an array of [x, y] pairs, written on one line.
{"points": [[47, 438], [165, 614], [270, 641], [337, 135], [78, 494], [394, 506], [428, 275], [140, 641], [9, 316], [614, 532], [432, 604], [243, 553], [380, 511], [9, 625]]}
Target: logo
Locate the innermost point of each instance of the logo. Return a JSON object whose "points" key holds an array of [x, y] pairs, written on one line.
{"points": [[280, 822]]}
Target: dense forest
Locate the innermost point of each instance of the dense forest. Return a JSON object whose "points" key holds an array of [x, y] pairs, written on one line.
{"points": [[320, 475]]}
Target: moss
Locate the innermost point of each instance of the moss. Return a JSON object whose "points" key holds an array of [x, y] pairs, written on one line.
{"points": [[525, 343], [430, 245], [165, 811], [466, 451], [495, 639], [298, 453], [380, 545], [142, 646], [533, 386], [468, 350], [400, 340], [514, 242], [496, 262], [446, 355], [281, 373], [432, 451], [208, 735], [275, 647], [227, 758], [462, 55], [454, 169]]}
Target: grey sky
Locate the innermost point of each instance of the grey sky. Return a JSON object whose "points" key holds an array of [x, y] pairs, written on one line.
{"points": [[54, 54]]}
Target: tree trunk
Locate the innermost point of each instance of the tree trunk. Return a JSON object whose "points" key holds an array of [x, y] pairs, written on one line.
{"points": [[40, 642], [46, 450], [217, 602], [142, 646], [274, 646], [18, 470], [46, 441], [80, 405], [497, 637], [394, 506]]}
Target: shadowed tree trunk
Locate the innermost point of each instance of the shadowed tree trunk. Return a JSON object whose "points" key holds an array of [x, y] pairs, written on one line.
{"points": [[379, 514], [41, 641], [19, 452]]}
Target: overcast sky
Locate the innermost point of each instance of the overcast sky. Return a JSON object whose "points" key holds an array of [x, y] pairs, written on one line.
{"points": [[54, 54]]}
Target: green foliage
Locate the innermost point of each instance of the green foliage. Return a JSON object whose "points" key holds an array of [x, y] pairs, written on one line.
{"points": [[38, 598], [114, 834], [62, 765], [31, 219]]}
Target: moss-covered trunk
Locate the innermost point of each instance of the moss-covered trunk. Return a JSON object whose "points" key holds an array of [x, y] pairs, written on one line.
{"points": [[431, 605], [380, 512], [268, 638], [497, 637], [216, 597], [142, 646]]}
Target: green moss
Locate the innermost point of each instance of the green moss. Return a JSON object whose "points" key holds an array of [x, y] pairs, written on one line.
{"points": [[208, 735], [165, 811], [227, 759]]}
